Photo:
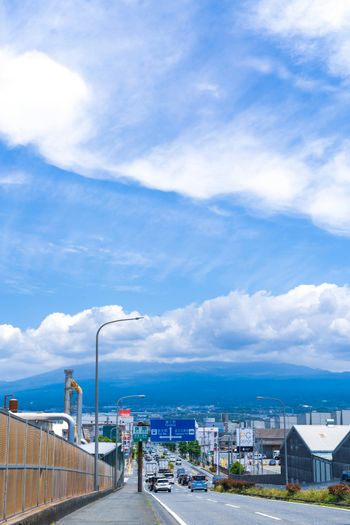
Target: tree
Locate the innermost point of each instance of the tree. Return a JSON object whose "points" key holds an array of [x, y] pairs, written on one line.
{"points": [[171, 447], [194, 450], [105, 439], [183, 448], [236, 468]]}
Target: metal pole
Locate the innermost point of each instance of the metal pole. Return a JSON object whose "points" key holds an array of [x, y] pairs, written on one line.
{"points": [[118, 405], [116, 445], [7, 465], [217, 456], [96, 480], [139, 466], [285, 442]]}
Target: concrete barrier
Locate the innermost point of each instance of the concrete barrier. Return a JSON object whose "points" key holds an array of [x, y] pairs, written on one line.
{"points": [[51, 514]]}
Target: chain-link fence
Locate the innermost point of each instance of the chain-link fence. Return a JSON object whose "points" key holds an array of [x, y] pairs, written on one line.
{"points": [[37, 467]]}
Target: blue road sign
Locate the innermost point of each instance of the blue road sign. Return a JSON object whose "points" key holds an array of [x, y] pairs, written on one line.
{"points": [[171, 430]]}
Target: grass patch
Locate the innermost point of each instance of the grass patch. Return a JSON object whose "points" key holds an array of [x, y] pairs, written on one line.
{"points": [[334, 495]]}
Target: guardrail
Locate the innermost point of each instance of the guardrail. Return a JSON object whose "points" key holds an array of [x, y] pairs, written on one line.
{"points": [[38, 468]]}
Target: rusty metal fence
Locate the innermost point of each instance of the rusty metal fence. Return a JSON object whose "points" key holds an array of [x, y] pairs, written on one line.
{"points": [[37, 468]]}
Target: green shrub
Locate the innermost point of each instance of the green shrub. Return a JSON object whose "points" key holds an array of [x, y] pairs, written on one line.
{"points": [[234, 485], [339, 491], [293, 488], [236, 468]]}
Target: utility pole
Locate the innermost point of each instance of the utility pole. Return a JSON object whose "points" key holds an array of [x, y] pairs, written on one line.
{"points": [[139, 465]]}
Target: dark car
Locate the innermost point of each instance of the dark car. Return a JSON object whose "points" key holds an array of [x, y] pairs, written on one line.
{"points": [[184, 479], [345, 477], [216, 479]]}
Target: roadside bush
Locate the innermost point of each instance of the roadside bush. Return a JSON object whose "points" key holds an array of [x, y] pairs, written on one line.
{"points": [[293, 488], [339, 491], [234, 485], [212, 469], [236, 468]]}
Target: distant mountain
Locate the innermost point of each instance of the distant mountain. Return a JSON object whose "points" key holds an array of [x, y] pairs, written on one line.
{"points": [[200, 383]]}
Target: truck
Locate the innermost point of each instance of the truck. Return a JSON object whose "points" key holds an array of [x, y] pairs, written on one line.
{"points": [[163, 463], [151, 467]]}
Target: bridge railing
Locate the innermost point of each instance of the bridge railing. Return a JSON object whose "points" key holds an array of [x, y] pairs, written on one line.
{"points": [[38, 468]]}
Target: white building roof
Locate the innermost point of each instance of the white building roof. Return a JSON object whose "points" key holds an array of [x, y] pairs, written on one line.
{"points": [[322, 438], [103, 448]]}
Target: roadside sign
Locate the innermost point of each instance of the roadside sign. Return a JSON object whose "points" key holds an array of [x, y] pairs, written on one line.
{"points": [[245, 439], [170, 430], [140, 433]]}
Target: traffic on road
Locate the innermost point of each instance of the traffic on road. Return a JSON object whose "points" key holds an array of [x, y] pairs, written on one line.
{"points": [[191, 500]]}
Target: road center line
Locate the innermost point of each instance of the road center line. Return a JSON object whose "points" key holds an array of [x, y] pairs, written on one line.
{"points": [[233, 506], [268, 516]]}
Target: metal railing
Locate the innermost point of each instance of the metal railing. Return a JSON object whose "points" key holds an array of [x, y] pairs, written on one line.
{"points": [[37, 467]]}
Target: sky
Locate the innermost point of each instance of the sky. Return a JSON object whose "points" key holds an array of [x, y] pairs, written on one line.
{"points": [[187, 161]]}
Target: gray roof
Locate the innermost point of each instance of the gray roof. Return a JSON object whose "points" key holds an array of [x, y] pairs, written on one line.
{"points": [[322, 438]]}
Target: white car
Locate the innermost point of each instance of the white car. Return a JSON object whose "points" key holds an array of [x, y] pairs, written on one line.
{"points": [[162, 484]]}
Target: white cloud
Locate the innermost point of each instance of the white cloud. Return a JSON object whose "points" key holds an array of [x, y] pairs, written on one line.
{"points": [[42, 102], [313, 28], [254, 159], [231, 159], [309, 325], [89, 83]]}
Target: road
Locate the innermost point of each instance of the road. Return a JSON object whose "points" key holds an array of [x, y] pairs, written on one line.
{"points": [[211, 508]]}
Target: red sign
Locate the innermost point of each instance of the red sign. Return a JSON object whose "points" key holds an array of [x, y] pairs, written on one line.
{"points": [[124, 412]]}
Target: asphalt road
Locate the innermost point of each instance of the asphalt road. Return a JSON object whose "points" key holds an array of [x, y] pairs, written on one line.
{"points": [[211, 508]]}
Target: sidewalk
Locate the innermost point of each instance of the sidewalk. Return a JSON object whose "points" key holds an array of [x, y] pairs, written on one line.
{"points": [[126, 506]]}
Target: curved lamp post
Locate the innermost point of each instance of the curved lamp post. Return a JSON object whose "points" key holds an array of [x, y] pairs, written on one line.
{"points": [[117, 430], [263, 398], [96, 480]]}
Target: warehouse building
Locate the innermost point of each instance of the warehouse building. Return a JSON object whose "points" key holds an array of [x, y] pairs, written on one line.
{"points": [[317, 453]]}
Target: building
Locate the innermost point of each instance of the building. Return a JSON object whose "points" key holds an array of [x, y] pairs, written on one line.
{"points": [[267, 440], [317, 453]]}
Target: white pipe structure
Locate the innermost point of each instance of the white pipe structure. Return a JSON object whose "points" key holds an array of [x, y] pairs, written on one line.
{"points": [[50, 416]]}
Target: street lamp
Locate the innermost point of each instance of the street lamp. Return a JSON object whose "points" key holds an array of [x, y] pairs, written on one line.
{"points": [[96, 480], [117, 430], [263, 398]]}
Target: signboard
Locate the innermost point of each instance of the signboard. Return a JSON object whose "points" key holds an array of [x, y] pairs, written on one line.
{"points": [[124, 412], [245, 439], [141, 433], [170, 430]]}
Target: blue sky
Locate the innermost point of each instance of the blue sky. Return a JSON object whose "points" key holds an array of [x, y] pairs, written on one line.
{"points": [[167, 157]]}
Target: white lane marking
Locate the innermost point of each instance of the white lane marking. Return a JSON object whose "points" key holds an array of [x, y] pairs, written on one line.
{"points": [[177, 518], [233, 506], [268, 516], [213, 500]]}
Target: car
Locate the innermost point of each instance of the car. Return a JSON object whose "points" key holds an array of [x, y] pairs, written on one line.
{"points": [[169, 475], [178, 461], [162, 484], [180, 471], [216, 479], [272, 462], [345, 477], [198, 482]]}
